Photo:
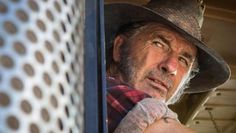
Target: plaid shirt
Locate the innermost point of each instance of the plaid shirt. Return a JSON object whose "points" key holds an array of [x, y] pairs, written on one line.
{"points": [[121, 98]]}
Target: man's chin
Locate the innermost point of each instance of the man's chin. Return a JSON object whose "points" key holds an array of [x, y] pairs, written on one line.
{"points": [[159, 97], [152, 91], [159, 94]]}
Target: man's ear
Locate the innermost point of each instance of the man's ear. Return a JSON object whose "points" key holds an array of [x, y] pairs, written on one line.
{"points": [[118, 41]]}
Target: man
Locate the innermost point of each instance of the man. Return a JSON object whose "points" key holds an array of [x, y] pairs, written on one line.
{"points": [[154, 53]]}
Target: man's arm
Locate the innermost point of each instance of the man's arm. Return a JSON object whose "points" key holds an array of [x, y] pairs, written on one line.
{"points": [[167, 126], [151, 116], [144, 114]]}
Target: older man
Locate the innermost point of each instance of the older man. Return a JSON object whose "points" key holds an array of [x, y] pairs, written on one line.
{"points": [[154, 53]]}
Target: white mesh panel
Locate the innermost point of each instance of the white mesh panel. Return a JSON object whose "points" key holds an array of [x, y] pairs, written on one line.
{"points": [[41, 66]]}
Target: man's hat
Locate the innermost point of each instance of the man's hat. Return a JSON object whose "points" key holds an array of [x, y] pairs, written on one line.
{"points": [[185, 17]]}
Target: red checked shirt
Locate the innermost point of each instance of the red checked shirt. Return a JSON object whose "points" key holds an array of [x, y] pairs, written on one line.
{"points": [[121, 98]]}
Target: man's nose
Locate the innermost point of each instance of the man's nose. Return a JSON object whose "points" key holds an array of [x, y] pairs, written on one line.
{"points": [[169, 65]]}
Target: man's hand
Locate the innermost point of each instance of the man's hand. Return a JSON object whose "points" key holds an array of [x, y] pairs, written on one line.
{"points": [[144, 114], [167, 126]]}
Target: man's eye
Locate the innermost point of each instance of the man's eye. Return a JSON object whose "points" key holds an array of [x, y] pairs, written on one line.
{"points": [[158, 44], [184, 61]]}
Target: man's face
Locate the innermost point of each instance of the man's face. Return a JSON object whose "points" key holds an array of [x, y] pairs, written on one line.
{"points": [[156, 60]]}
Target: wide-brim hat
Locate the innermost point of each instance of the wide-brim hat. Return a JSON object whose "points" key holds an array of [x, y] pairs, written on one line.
{"points": [[213, 72]]}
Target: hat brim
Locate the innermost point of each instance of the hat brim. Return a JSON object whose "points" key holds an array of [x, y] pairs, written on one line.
{"points": [[214, 71]]}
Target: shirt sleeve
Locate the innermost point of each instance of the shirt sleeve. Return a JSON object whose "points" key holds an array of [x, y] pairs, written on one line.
{"points": [[145, 112]]}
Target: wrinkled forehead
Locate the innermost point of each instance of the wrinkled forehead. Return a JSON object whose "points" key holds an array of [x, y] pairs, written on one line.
{"points": [[153, 29]]}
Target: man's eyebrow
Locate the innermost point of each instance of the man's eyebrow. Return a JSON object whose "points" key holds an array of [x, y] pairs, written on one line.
{"points": [[164, 39]]}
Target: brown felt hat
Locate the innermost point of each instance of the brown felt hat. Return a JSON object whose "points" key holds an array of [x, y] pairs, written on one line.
{"points": [[183, 16]]}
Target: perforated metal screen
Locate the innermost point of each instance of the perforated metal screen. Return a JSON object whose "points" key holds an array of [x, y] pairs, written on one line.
{"points": [[41, 66]]}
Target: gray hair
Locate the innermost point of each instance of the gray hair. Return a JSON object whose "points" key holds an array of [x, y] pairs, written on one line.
{"points": [[128, 30]]}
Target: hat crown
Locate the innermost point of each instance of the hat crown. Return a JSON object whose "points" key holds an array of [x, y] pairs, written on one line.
{"points": [[186, 14]]}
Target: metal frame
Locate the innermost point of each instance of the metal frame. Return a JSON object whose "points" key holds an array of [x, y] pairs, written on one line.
{"points": [[95, 81]]}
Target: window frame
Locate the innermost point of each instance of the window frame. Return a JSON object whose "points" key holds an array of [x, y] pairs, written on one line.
{"points": [[94, 68]]}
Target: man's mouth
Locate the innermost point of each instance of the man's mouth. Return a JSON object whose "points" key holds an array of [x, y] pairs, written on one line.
{"points": [[158, 84]]}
